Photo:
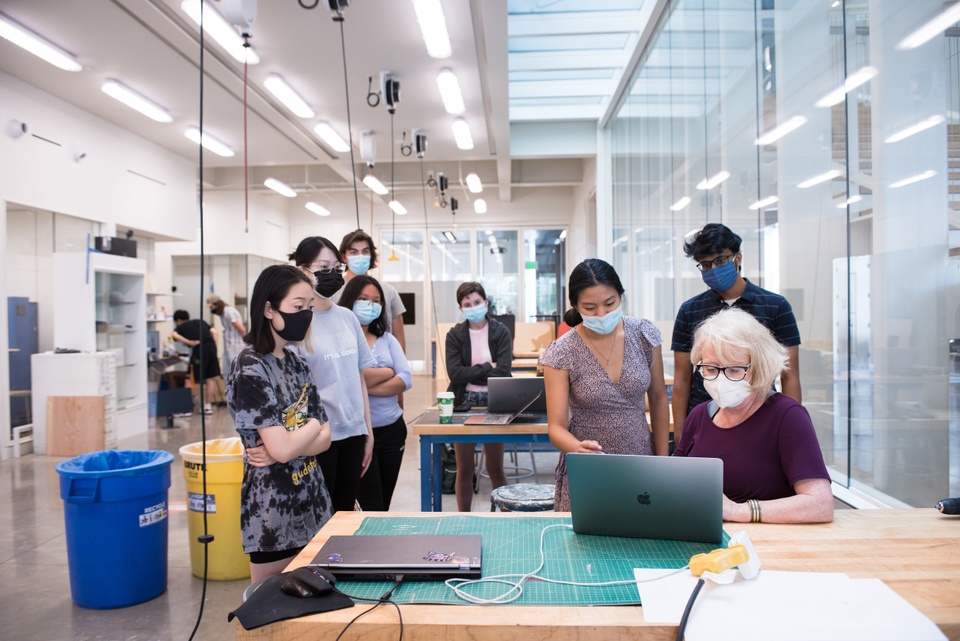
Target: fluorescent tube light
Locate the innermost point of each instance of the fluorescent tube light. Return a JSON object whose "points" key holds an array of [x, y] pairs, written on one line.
{"points": [[135, 101], [853, 81], [906, 132], [680, 204], [279, 187], [290, 98], [760, 204], [224, 33], [319, 210], [26, 39], [820, 178], [208, 141], [461, 133], [563, 234], [331, 137], [474, 184], [480, 206], [433, 26], [780, 131], [450, 92], [449, 236], [849, 201], [931, 29], [397, 207], [710, 183], [913, 179], [375, 185]]}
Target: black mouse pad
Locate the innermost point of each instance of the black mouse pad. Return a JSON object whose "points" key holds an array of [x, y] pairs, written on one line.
{"points": [[269, 604]]}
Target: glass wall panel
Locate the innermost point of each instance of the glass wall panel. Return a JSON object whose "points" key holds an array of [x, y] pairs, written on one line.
{"points": [[449, 266], [827, 138], [497, 261], [545, 274]]}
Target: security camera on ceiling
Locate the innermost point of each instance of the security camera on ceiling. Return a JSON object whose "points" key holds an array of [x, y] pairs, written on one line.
{"points": [[15, 129]]}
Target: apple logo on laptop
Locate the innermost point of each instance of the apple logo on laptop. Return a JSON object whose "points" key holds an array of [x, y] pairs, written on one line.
{"points": [[643, 499]]}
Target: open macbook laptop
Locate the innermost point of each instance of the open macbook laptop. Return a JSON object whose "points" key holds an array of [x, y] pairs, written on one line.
{"points": [[650, 497], [507, 394], [502, 419], [418, 557]]}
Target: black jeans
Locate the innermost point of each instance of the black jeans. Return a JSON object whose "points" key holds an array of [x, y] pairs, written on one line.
{"points": [[341, 471], [377, 485]]}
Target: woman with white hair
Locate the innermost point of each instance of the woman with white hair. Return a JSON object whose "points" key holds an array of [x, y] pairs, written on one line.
{"points": [[773, 470]]}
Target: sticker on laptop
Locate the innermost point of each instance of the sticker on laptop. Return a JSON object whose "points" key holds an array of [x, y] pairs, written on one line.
{"points": [[445, 557]]}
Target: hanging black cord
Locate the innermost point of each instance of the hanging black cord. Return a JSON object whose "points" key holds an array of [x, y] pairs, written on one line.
{"points": [[686, 610], [206, 538], [384, 599], [393, 193], [346, 92]]}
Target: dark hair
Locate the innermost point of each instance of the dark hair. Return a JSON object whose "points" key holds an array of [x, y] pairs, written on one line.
{"points": [[356, 237], [467, 288], [351, 292], [181, 315], [272, 286], [219, 305], [309, 248], [711, 240], [589, 273]]}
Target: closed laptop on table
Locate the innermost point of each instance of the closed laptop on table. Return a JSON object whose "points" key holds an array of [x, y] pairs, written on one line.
{"points": [[650, 497], [418, 557]]}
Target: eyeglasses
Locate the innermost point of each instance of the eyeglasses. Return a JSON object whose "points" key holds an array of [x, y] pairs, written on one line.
{"points": [[323, 269], [719, 261], [732, 372]]}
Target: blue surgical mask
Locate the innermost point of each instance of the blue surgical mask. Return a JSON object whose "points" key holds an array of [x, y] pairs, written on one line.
{"points": [[603, 324], [359, 264], [475, 314], [367, 311], [722, 278]]}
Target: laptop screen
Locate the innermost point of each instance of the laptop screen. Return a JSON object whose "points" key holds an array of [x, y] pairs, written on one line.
{"points": [[508, 394]]}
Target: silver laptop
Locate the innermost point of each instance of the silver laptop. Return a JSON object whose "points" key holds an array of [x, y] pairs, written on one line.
{"points": [[418, 557], [649, 497], [508, 394], [504, 419]]}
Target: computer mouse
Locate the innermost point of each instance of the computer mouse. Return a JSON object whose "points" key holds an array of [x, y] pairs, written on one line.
{"points": [[307, 582]]}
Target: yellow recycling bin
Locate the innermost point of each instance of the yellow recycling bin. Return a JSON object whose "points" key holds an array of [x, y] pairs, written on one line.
{"points": [[226, 560]]}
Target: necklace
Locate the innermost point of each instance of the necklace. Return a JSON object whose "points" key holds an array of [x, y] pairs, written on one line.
{"points": [[616, 337]]}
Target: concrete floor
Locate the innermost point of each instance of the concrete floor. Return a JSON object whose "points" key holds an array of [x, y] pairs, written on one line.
{"points": [[35, 601]]}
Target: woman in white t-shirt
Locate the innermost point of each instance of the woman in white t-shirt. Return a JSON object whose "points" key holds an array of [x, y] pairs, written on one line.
{"points": [[478, 348], [233, 330]]}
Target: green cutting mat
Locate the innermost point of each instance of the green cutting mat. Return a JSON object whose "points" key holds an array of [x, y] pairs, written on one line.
{"points": [[511, 546]]}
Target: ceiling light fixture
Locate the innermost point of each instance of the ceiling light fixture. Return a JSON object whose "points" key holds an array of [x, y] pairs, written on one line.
{"points": [[26, 39], [461, 133], [135, 101], [931, 29], [849, 201], [716, 179], [334, 140], [397, 207], [281, 188], [375, 185], [760, 204], [224, 33], [906, 132], [319, 210], [854, 80], [474, 184], [780, 131], [680, 204], [480, 206], [820, 178], [913, 179], [290, 98], [563, 234], [450, 92], [433, 26], [449, 236], [208, 141]]}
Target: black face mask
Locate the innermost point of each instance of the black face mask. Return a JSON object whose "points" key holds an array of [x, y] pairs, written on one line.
{"points": [[328, 284], [295, 325]]}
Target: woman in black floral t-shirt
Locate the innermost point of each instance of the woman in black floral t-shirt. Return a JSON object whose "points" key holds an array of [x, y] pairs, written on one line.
{"points": [[274, 403]]}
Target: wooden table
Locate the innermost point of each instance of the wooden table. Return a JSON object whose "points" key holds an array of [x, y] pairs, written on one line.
{"points": [[916, 552], [432, 435]]}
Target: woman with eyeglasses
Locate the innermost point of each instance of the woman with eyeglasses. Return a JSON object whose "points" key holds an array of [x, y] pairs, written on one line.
{"points": [[773, 470], [337, 352], [599, 375], [390, 377]]}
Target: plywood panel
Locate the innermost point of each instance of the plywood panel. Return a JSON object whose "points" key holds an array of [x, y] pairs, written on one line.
{"points": [[75, 424]]}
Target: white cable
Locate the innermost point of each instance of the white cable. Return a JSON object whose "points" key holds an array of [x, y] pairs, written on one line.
{"points": [[517, 586]]}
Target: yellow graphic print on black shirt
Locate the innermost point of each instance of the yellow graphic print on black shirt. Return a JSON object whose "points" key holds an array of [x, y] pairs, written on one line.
{"points": [[296, 415]]}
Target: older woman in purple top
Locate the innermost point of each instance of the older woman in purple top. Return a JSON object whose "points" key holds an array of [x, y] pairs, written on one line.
{"points": [[773, 469]]}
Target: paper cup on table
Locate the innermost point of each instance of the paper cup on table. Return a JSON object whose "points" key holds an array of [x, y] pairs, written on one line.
{"points": [[445, 406]]}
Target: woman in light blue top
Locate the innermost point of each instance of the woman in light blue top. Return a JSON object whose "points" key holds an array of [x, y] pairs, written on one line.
{"points": [[391, 376]]}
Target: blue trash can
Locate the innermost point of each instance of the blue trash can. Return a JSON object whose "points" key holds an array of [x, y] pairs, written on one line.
{"points": [[115, 508]]}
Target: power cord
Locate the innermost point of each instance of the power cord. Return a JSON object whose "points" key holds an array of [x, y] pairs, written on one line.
{"points": [[686, 610], [383, 599]]}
